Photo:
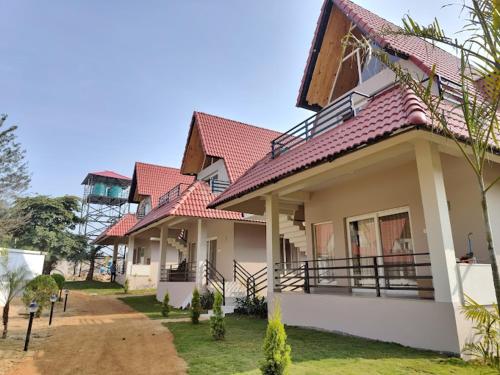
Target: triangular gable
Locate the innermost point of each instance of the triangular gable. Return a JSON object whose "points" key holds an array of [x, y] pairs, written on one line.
{"points": [[324, 56]]}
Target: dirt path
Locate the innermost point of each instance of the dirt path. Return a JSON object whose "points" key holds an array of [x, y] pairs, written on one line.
{"points": [[100, 335]]}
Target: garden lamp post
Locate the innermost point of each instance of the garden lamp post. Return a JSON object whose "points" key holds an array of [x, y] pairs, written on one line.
{"points": [[53, 299], [66, 292], [32, 308]]}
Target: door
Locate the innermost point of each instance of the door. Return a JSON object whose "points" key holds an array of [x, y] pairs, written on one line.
{"points": [[323, 247], [363, 246], [387, 236], [192, 252], [397, 248], [212, 256]]}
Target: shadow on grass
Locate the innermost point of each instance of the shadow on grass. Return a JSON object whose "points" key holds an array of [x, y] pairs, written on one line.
{"points": [[313, 352], [149, 306], [97, 286]]}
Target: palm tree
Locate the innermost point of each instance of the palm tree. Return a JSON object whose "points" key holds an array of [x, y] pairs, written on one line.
{"points": [[11, 283], [478, 92]]}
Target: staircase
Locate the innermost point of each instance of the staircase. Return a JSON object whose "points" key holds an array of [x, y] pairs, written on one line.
{"points": [[293, 231], [177, 244]]}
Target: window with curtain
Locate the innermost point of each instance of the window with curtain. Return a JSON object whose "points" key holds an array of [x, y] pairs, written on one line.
{"points": [[323, 240], [323, 247], [395, 238]]}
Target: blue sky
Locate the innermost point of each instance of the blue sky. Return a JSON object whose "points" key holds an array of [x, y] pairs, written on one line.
{"points": [[100, 84]]}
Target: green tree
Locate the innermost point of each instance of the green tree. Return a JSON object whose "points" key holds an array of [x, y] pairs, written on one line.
{"points": [[14, 177], [39, 290], [60, 280], [276, 350], [195, 307], [217, 324], [12, 282], [49, 228], [478, 91], [165, 307]]}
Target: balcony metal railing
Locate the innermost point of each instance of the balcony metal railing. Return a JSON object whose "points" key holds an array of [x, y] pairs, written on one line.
{"points": [[399, 272], [172, 194], [254, 283], [335, 114], [179, 272], [218, 186], [215, 279]]}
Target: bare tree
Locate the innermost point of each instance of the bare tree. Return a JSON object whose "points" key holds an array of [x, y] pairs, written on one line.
{"points": [[14, 177]]}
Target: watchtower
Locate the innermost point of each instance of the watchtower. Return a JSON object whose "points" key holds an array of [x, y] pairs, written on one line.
{"points": [[105, 200]]}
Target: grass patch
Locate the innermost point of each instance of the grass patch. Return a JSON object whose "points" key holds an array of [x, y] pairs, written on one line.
{"points": [[313, 352], [149, 306], [101, 287]]}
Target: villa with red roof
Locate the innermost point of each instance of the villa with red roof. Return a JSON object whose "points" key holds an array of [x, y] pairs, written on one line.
{"points": [[390, 211], [149, 183], [217, 250]]}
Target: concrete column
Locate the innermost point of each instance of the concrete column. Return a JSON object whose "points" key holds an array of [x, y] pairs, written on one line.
{"points": [[201, 252], [130, 254], [437, 223], [272, 239], [163, 248], [115, 251]]}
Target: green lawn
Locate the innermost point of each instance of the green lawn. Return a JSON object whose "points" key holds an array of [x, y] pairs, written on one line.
{"points": [[152, 308], [313, 352], [101, 287]]}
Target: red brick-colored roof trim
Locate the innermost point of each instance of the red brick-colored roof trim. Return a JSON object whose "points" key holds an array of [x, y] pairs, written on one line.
{"points": [[155, 180], [191, 203], [389, 112], [240, 145], [118, 229], [108, 174]]}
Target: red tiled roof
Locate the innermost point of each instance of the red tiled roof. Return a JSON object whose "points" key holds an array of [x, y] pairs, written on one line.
{"points": [[109, 174], [118, 229], [239, 144], [391, 111], [420, 52], [155, 180], [191, 203]]}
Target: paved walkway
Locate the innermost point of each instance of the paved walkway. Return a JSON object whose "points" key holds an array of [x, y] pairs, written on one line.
{"points": [[101, 335]]}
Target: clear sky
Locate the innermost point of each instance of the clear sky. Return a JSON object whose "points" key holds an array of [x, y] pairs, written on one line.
{"points": [[99, 84]]}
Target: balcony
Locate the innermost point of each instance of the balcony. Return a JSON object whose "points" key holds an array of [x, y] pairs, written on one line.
{"points": [[181, 272], [218, 186], [335, 114], [172, 194], [344, 109], [398, 275]]}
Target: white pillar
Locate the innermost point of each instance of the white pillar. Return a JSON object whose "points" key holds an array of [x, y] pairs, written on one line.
{"points": [[130, 254], [163, 249], [201, 253], [115, 251], [437, 223], [272, 239]]}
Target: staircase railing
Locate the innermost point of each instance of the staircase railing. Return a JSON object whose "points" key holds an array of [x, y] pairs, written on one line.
{"points": [[254, 283], [216, 280]]}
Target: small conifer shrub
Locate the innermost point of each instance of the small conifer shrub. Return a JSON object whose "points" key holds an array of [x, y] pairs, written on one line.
{"points": [[276, 351], [195, 307], [217, 324], [165, 308]]}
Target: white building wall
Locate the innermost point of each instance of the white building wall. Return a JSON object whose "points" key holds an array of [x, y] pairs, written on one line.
{"points": [[32, 261], [219, 168]]}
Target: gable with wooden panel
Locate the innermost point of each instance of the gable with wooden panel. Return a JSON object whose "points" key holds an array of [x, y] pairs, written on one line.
{"points": [[326, 71], [194, 155]]}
